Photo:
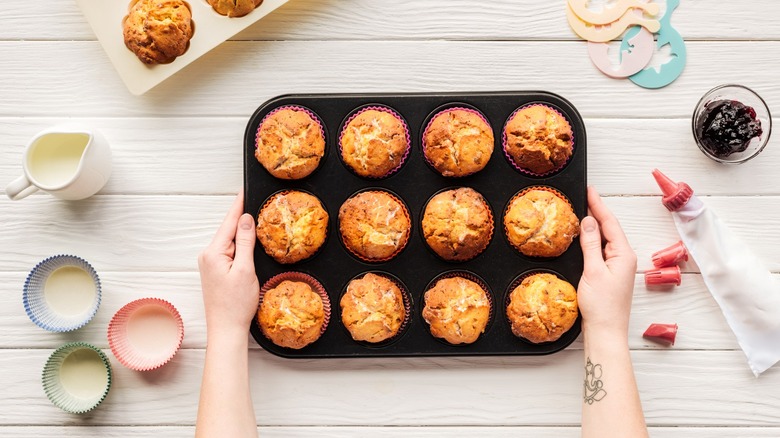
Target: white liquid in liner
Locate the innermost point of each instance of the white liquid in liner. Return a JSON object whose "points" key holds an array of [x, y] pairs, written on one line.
{"points": [[69, 291], [153, 332], [83, 374], [55, 158]]}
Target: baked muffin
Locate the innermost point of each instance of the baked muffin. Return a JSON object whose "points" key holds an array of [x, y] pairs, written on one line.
{"points": [[458, 142], [290, 143], [292, 226], [538, 139], [374, 143], [158, 31], [542, 308], [234, 8], [372, 308], [291, 314], [457, 310], [457, 224], [539, 223], [374, 225]]}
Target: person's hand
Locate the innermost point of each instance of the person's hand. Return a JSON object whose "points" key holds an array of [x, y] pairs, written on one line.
{"points": [[227, 273], [606, 287]]}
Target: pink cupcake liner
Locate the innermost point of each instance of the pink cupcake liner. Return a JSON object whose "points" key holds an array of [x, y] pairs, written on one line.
{"points": [[407, 301], [468, 276], [398, 116], [522, 192], [515, 283], [399, 249], [511, 160], [309, 112], [315, 285], [445, 111], [491, 221], [134, 356], [282, 193]]}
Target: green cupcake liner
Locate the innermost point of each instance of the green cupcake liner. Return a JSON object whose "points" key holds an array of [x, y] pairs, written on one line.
{"points": [[57, 392]]}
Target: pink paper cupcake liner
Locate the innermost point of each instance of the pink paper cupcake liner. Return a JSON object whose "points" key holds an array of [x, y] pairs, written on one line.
{"points": [[315, 285], [398, 116], [284, 192], [445, 111], [128, 351], [400, 247], [522, 192], [491, 221], [515, 283], [310, 113], [468, 276], [511, 160], [407, 300]]}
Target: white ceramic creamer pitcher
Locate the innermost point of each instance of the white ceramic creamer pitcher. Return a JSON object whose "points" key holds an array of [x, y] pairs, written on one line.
{"points": [[69, 161]]}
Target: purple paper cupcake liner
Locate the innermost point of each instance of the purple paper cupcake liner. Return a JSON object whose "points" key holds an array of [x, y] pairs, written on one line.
{"points": [[511, 160], [445, 111], [315, 285], [407, 302], [468, 276], [398, 116]]}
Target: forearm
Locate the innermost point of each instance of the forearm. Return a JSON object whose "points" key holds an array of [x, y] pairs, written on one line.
{"points": [[611, 405], [225, 407]]}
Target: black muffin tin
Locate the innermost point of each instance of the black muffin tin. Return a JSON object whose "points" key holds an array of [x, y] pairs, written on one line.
{"points": [[499, 265]]}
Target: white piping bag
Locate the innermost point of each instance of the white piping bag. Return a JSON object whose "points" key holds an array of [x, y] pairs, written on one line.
{"points": [[740, 282]]}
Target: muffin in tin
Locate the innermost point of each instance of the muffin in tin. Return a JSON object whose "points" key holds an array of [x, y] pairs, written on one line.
{"points": [[542, 308], [158, 31], [457, 309], [458, 142], [457, 224], [538, 139], [372, 308], [540, 222], [293, 310], [374, 142], [374, 225], [290, 143], [292, 226]]}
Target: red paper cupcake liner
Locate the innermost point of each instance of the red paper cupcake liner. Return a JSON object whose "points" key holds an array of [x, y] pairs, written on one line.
{"points": [[129, 355], [522, 192], [282, 193], [491, 221], [468, 276], [407, 301], [511, 160], [315, 285], [400, 247], [515, 283], [398, 116], [445, 111]]}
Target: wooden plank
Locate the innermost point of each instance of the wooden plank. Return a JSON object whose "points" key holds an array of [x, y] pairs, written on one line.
{"points": [[84, 83], [413, 392], [169, 155], [410, 19]]}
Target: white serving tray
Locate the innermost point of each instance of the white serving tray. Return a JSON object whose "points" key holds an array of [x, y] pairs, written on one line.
{"points": [[211, 30]]}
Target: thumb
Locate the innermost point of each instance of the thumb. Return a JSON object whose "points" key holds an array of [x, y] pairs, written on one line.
{"points": [[245, 240], [590, 240]]}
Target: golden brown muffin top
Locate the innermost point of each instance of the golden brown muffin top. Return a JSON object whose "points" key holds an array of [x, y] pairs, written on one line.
{"points": [[292, 226], [542, 308], [539, 139], [372, 309], [374, 143], [290, 144], [374, 225], [291, 314], [457, 310], [539, 223], [458, 142], [234, 8], [158, 31], [457, 224]]}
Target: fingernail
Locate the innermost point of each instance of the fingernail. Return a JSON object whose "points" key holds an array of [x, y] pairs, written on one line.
{"points": [[245, 222], [589, 224]]}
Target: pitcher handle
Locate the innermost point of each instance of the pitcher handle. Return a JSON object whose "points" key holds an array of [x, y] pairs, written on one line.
{"points": [[20, 188]]}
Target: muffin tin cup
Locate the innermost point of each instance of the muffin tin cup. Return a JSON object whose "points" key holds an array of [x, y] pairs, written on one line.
{"points": [[38, 308], [517, 166], [400, 248], [315, 285], [137, 357], [313, 116], [61, 393], [386, 109], [555, 192], [408, 310], [491, 231], [436, 114], [284, 192], [468, 276]]}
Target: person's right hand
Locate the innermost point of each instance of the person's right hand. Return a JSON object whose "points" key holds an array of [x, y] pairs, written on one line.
{"points": [[607, 284]]}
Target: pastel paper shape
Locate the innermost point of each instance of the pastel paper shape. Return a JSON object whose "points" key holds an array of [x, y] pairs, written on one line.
{"points": [[608, 32], [611, 14], [633, 59], [669, 72]]}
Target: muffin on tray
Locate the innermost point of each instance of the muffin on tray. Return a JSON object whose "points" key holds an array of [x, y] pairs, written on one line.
{"points": [[234, 8], [290, 142], [292, 226], [374, 225], [457, 224], [538, 139], [374, 142], [158, 31], [458, 142], [539, 222], [457, 310], [542, 308], [293, 312], [372, 308]]}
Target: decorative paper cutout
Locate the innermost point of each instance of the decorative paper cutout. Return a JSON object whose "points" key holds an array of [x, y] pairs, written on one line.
{"points": [[611, 14], [635, 54], [602, 34]]}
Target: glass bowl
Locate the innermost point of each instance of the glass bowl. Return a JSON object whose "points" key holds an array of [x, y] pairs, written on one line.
{"points": [[747, 97]]}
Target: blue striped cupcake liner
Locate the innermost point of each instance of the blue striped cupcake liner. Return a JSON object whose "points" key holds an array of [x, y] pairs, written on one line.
{"points": [[58, 392], [39, 310]]}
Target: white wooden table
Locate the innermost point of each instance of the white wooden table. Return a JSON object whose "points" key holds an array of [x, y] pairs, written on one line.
{"points": [[177, 157]]}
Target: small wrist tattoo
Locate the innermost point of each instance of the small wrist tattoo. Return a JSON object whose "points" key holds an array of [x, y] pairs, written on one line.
{"points": [[593, 389]]}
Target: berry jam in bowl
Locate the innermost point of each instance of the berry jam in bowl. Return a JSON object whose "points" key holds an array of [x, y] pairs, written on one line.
{"points": [[731, 124]]}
